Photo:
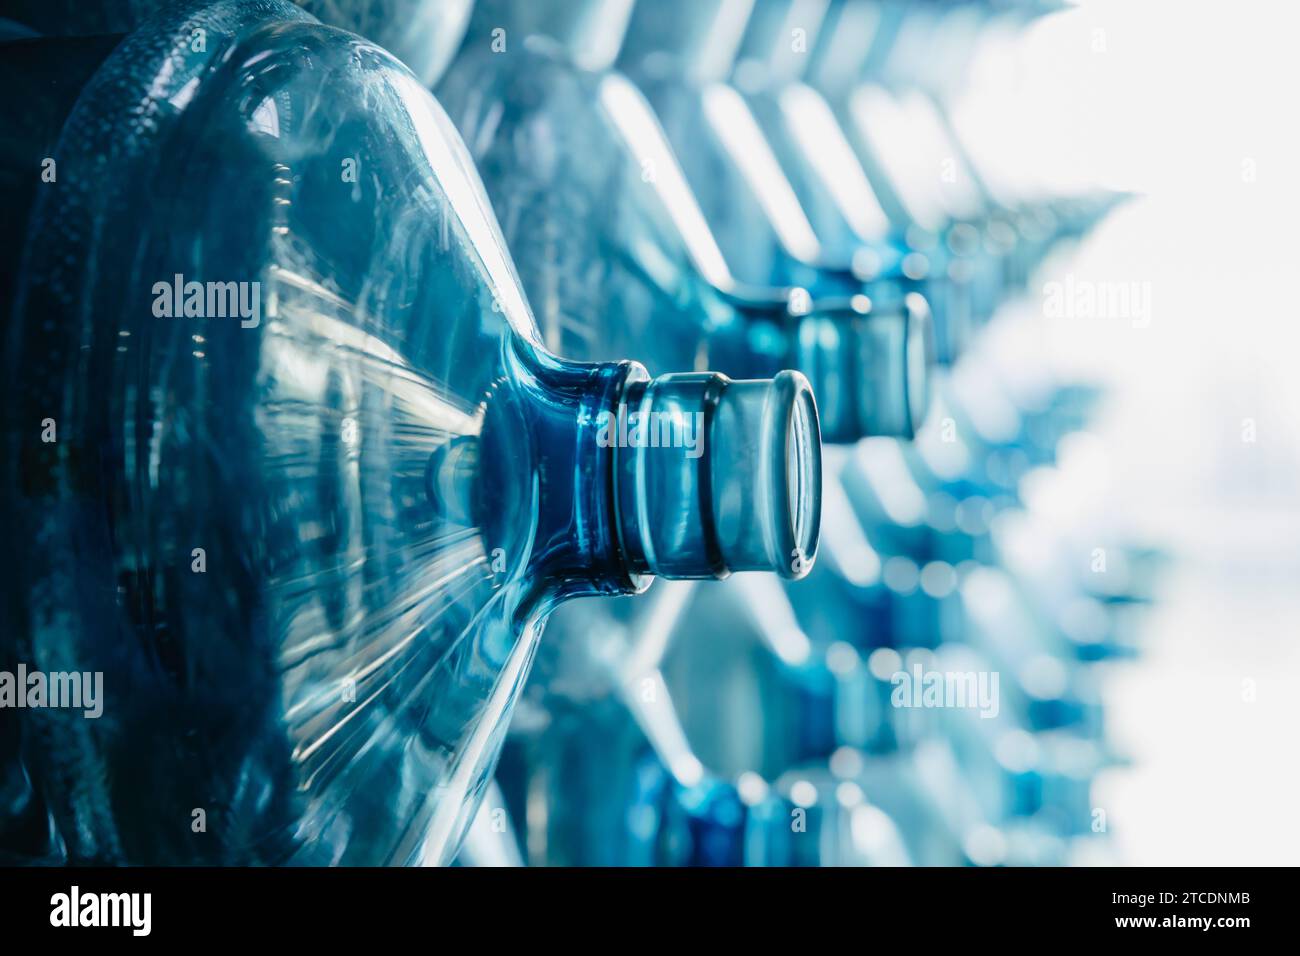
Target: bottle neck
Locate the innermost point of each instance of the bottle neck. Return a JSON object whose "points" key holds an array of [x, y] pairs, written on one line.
{"points": [[713, 475], [869, 360], [869, 363], [682, 476]]}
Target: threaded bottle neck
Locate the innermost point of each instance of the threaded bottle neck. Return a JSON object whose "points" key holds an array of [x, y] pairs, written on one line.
{"points": [[684, 476], [713, 476], [869, 365]]}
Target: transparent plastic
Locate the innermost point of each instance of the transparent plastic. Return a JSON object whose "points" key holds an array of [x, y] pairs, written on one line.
{"points": [[313, 482]]}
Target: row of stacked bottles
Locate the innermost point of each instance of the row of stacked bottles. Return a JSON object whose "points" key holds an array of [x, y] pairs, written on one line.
{"points": [[531, 304], [791, 151]]}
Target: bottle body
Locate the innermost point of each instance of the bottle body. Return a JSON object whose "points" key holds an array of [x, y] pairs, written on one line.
{"points": [[230, 512]]}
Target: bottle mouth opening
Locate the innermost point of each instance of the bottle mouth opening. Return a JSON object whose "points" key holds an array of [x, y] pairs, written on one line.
{"points": [[795, 468]]}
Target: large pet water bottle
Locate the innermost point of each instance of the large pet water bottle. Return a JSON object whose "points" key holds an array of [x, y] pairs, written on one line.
{"points": [[287, 464]]}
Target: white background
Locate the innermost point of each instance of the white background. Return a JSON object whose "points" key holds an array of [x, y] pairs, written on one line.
{"points": [[1194, 104]]}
